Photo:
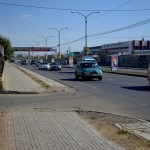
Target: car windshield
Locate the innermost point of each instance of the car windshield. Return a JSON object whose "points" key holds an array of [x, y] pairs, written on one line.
{"points": [[89, 65], [44, 63], [55, 63]]}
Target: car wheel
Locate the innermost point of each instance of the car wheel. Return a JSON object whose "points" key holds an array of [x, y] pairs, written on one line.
{"points": [[100, 78], [76, 76]]}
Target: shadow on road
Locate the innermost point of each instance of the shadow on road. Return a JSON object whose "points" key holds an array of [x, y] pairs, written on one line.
{"points": [[69, 79], [66, 72], [138, 88], [82, 80]]}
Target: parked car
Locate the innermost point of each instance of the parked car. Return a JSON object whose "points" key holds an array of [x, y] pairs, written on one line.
{"points": [[44, 66], [33, 62], [55, 66], [87, 69], [24, 62], [148, 73]]}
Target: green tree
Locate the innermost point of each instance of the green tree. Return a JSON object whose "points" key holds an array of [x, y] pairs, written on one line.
{"points": [[8, 51]]}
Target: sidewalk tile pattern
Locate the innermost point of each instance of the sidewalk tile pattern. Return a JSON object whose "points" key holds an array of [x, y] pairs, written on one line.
{"points": [[15, 80], [51, 131]]}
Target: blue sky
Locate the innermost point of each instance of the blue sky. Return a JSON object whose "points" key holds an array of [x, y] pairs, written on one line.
{"points": [[22, 25]]}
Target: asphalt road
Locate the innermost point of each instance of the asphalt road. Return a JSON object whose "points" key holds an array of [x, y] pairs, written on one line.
{"points": [[121, 94], [117, 94]]}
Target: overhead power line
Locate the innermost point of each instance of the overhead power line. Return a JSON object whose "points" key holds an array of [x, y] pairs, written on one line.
{"points": [[117, 8], [123, 37], [69, 9], [123, 28], [112, 31]]}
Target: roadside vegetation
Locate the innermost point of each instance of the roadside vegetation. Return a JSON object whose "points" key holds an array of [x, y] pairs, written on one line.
{"points": [[8, 50], [104, 123]]}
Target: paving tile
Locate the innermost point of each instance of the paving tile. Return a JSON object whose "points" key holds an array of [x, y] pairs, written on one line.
{"points": [[51, 131]]}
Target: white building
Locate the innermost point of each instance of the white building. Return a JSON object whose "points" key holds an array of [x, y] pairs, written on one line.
{"points": [[127, 47]]}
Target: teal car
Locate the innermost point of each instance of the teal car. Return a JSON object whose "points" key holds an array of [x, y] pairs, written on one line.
{"points": [[86, 69]]}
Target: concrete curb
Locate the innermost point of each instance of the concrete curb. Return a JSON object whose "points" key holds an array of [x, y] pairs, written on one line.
{"points": [[136, 132], [144, 121]]}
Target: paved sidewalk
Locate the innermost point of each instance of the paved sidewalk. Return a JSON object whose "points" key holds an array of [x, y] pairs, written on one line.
{"points": [[17, 81], [51, 131]]}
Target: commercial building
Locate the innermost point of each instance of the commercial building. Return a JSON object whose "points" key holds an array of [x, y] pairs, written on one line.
{"points": [[127, 47], [135, 53]]}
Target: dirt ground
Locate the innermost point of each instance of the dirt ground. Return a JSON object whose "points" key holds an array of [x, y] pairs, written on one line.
{"points": [[104, 124]]}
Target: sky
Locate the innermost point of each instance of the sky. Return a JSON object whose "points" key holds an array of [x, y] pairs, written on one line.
{"points": [[27, 22]]}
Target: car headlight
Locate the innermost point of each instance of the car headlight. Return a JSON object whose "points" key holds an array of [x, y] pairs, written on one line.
{"points": [[99, 71]]}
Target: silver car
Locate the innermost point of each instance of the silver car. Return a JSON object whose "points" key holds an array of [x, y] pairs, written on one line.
{"points": [[44, 66], [55, 66]]}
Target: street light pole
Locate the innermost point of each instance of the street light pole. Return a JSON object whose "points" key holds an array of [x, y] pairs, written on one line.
{"points": [[46, 43], [59, 38], [85, 17], [37, 43]]}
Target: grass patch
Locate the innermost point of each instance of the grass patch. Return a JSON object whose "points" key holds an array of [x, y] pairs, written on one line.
{"points": [[93, 117], [121, 131]]}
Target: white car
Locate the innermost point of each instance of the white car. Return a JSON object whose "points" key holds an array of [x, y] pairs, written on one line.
{"points": [[55, 66], [44, 66], [148, 73]]}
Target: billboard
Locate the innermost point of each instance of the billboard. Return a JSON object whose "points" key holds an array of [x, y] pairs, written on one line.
{"points": [[40, 49], [71, 61], [114, 63]]}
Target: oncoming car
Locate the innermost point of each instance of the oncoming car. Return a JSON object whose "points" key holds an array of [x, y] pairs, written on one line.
{"points": [[44, 66], [33, 62], [55, 66], [24, 62], [86, 69]]}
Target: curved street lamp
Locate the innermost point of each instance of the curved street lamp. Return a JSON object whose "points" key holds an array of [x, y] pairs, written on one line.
{"points": [[59, 37], [37, 45], [85, 17], [45, 38]]}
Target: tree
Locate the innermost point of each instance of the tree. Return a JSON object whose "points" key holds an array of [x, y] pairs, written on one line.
{"points": [[8, 51]]}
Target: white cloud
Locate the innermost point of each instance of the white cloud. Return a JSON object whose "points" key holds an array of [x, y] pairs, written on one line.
{"points": [[28, 17]]}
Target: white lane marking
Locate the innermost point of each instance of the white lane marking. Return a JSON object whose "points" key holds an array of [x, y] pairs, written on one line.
{"points": [[88, 85]]}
